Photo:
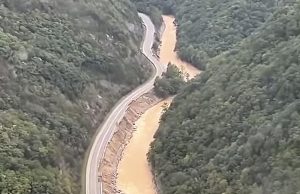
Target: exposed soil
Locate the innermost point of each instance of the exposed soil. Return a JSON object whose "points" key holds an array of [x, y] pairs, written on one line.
{"points": [[134, 171], [135, 174], [121, 138]]}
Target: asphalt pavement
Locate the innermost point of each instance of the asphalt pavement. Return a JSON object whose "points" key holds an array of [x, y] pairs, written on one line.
{"points": [[93, 184]]}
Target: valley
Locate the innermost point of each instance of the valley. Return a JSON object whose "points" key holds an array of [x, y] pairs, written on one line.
{"points": [[134, 172], [87, 107]]}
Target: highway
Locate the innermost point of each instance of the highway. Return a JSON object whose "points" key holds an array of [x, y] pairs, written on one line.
{"points": [[93, 185]]}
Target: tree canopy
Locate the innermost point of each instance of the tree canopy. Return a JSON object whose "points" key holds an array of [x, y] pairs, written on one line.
{"points": [[63, 64], [206, 28], [235, 128], [170, 83]]}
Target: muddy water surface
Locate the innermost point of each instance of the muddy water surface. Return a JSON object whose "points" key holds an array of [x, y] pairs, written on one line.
{"points": [[167, 53], [134, 172]]}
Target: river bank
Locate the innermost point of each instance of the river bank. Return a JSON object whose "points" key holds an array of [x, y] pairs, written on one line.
{"points": [[120, 139], [134, 171], [134, 174], [125, 168], [167, 49]]}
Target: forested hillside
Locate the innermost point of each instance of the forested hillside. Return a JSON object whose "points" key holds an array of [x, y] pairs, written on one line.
{"points": [[236, 128], [63, 64], [170, 83], [208, 27]]}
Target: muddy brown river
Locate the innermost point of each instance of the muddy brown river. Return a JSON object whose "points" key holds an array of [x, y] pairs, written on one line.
{"points": [[167, 53], [134, 172]]}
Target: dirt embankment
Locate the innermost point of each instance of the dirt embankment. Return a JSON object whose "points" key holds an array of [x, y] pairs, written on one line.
{"points": [[158, 40], [134, 170], [167, 53], [108, 167]]}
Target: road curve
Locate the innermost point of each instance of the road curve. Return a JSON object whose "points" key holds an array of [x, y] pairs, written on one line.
{"points": [[93, 185]]}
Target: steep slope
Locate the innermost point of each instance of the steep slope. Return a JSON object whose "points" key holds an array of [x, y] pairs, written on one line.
{"points": [[236, 128], [206, 28], [63, 64]]}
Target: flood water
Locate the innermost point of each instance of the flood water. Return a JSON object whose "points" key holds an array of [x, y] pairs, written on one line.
{"points": [[134, 172], [167, 53]]}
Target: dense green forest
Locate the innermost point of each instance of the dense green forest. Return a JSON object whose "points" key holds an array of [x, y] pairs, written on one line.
{"points": [[236, 128], [207, 28], [170, 83], [63, 64]]}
